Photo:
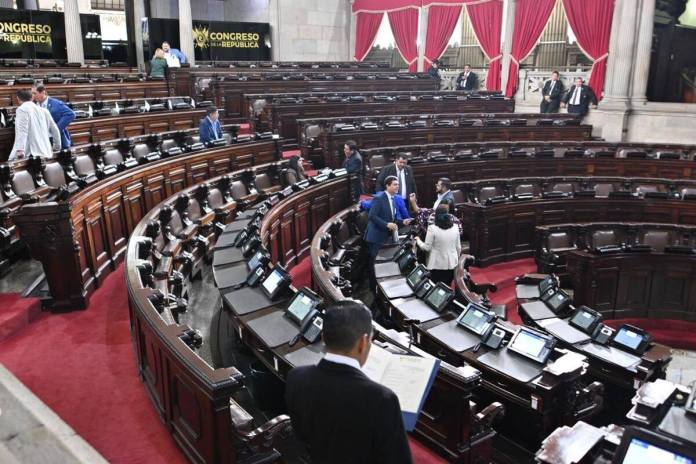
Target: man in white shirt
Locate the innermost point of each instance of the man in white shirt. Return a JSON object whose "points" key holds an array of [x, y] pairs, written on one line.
{"points": [[551, 94], [34, 129], [403, 173], [579, 98], [467, 80]]}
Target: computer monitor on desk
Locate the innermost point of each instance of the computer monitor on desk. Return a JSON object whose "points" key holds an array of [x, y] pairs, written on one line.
{"points": [[632, 339], [276, 282], [585, 319], [640, 446], [302, 304], [476, 319], [532, 344]]}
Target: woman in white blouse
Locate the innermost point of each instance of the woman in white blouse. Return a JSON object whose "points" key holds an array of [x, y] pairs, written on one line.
{"points": [[443, 247]]}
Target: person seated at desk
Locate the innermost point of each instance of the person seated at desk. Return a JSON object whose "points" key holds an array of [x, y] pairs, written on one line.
{"points": [[210, 128], [336, 410], [443, 245], [295, 172]]}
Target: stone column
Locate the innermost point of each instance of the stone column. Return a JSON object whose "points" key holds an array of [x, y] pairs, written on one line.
{"points": [[422, 33], [641, 69], [138, 15], [73, 32], [509, 27], [186, 31], [351, 40], [616, 105], [274, 21]]}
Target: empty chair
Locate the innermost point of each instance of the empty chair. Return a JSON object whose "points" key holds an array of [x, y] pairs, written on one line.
{"points": [[656, 239], [113, 157], [140, 151], [565, 187], [688, 193], [84, 165], [167, 144], [524, 189], [23, 183], [604, 238], [239, 190], [553, 249], [312, 131], [603, 189], [264, 184], [458, 196], [54, 174], [646, 188], [193, 210], [487, 192]]}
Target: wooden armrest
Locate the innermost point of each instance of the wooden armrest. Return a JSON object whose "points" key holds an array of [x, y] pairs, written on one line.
{"points": [[530, 279], [242, 421]]}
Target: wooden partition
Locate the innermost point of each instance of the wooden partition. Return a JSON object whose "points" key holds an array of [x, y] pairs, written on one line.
{"points": [[79, 241]]}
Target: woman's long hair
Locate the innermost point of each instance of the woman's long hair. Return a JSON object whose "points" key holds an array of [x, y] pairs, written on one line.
{"points": [[443, 219]]}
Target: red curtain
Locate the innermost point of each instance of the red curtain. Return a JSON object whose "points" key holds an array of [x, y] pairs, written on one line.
{"points": [[441, 23], [366, 27], [404, 26], [591, 24], [531, 17], [487, 22]]}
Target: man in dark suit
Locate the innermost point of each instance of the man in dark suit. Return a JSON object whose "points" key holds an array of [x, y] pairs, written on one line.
{"points": [[61, 113], [403, 173], [467, 80], [210, 128], [342, 415], [579, 98], [354, 166], [551, 94]]}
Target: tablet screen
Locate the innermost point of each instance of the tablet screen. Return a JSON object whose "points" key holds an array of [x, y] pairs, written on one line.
{"points": [[583, 319], [641, 452], [628, 338], [300, 306], [416, 277], [529, 344], [271, 283], [438, 298], [475, 319]]}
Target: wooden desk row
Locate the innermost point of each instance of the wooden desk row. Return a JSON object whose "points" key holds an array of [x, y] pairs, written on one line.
{"points": [[195, 400], [102, 129], [281, 111], [323, 139], [81, 239], [91, 91], [229, 94]]}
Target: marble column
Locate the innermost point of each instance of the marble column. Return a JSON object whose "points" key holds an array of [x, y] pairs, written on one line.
{"points": [[274, 21], [615, 106], [73, 32], [509, 26], [422, 34], [351, 40], [641, 70], [138, 15], [186, 31]]}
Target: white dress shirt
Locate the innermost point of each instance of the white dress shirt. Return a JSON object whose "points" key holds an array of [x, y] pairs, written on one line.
{"points": [[439, 199], [575, 99], [33, 128], [463, 81], [402, 182], [340, 359], [443, 247], [553, 84], [172, 61]]}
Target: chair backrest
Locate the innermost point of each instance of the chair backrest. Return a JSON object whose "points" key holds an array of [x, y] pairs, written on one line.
{"points": [[193, 209], [565, 187], [215, 198], [54, 174], [524, 189], [377, 161], [645, 188], [113, 157], [140, 150], [238, 189], [603, 189], [489, 192], [195, 138], [262, 181], [167, 144], [312, 131], [176, 224], [657, 239], [559, 240], [688, 191], [84, 165], [602, 238], [362, 220], [459, 197], [22, 182]]}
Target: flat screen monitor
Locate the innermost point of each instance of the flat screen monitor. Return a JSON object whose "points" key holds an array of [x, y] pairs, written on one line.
{"points": [[585, 319], [417, 275], [406, 260], [532, 344], [639, 446], [631, 339], [277, 280], [303, 302], [259, 257], [439, 297], [556, 299], [475, 319], [547, 283]]}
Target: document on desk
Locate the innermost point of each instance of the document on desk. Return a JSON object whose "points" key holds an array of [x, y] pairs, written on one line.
{"points": [[409, 377]]}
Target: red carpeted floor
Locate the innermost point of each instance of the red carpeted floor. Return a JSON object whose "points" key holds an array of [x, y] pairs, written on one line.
{"points": [[81, 364]]}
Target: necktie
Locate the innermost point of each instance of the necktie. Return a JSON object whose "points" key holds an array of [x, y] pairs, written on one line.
{"points": [[576, 96], [391, 206], [402, 183], [552, 84]]}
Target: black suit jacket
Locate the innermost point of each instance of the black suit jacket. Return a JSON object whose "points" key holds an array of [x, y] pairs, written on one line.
{"points": [[344, 417], [354, 165], [391, 171], [471, 82], [587, 97]]}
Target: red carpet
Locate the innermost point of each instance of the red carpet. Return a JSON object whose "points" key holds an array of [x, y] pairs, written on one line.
{"points": [[82, 365], [16, 313]]}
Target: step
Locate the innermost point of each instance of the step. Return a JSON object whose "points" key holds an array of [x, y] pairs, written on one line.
{"points": [[17, 313]]}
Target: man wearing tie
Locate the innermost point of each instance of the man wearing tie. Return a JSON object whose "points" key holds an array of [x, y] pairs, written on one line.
{"points": [[403, 173], [467, 80], [579, 98], [383, 223], [551, 94], [210, 128]]}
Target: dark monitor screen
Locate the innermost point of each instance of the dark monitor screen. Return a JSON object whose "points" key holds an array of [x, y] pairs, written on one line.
{"points": [[631, 338], [548, 282], [260, 255], [585, 319], [642, 452], [558, 300], [405, 261], [475, 318], [439, 297], [416, 276], [301, 305], [534, 345]]}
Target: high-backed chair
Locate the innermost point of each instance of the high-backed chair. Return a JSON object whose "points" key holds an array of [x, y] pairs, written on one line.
{"points": [[604, 238], [264, 184], [658, 240], [554, 246], [563, 187], [54, 174], [113, 157], [603, 189], [490, 191]]}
